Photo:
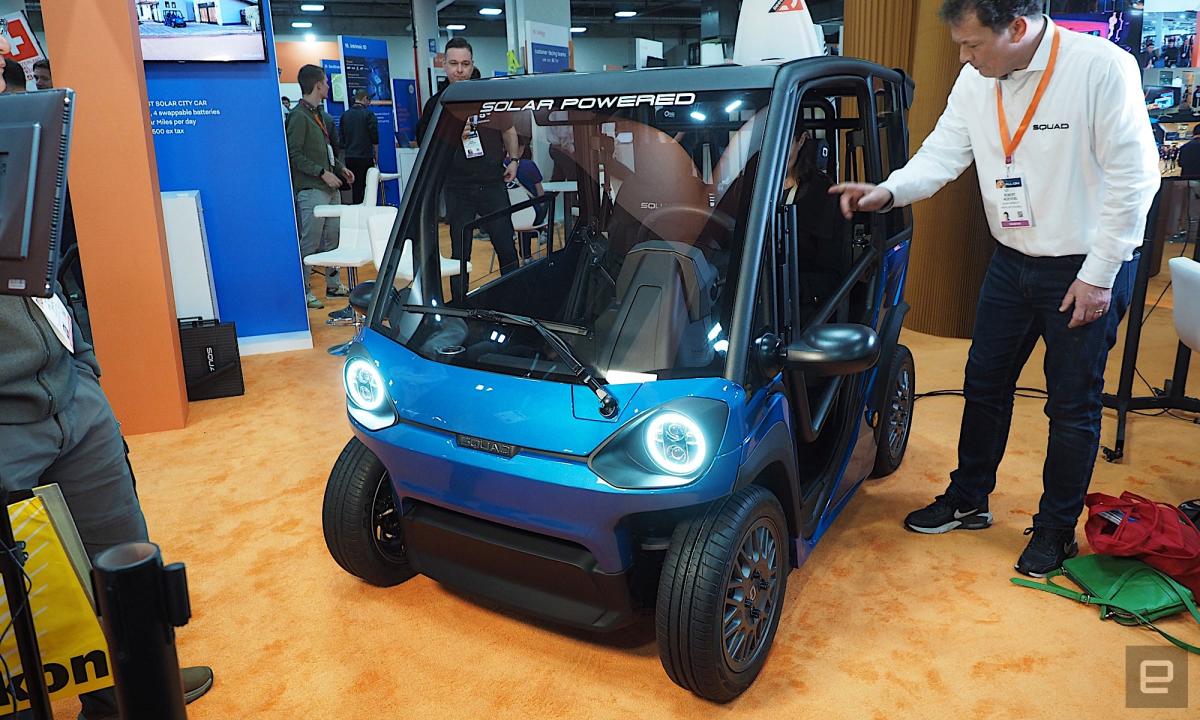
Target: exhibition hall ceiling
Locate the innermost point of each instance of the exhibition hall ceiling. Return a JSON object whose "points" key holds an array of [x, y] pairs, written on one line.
{"points": [[653, 16]]}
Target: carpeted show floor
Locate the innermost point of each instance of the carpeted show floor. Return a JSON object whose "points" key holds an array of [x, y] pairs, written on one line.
{"points": [[880, 622]]}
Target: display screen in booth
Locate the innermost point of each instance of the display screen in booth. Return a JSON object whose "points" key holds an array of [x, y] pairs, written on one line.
{"points": [[1121, 27], [201, 30]]}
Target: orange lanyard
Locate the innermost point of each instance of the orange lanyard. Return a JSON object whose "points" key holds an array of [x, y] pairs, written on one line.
{"points": [[316, 115], [1011, 143]]}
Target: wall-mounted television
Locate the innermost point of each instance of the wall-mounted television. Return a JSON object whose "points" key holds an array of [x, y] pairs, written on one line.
{"points": [[201, 30], [1121, 27], [1163, 97]]}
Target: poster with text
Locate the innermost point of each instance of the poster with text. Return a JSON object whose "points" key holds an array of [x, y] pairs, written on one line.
{"points": [[549, 47], [24, 44], [407, 113], [365, 67], [333, 75]]}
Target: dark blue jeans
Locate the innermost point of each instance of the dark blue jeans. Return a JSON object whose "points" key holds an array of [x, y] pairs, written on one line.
{"points": [[1018, 304]]}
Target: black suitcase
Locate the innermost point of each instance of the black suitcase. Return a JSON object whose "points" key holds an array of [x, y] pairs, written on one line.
{"points": [[212, 365]]}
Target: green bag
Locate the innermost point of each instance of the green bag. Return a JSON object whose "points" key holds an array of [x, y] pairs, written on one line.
{"points": [[1128, 591]]}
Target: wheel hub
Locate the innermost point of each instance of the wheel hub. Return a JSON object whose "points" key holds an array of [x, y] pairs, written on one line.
{"points": [[899, 412], [751, 596], [386, 531]]}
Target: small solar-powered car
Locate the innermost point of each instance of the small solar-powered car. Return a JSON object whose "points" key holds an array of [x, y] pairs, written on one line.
{"points": [[664, 402]]}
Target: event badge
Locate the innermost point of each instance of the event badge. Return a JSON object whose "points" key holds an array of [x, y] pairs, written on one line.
{"points": [[1012, 204], [471, 143], [59, 318], [332, 159]]}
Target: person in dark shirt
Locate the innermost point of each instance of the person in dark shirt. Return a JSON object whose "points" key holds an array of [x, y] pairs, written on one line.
{"points": [[1189, 156], [485, 156], [360, 142]]}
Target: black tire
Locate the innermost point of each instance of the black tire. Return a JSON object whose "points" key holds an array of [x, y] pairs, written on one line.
{"points": [[692, 613], [360, 519], [895, 417]]}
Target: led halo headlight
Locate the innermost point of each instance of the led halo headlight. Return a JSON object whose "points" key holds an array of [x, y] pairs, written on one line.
{"points": [[364, 385], [675, 443]]}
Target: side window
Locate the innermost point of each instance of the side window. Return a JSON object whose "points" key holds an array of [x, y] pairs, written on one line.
{"points": [[893, 155], [825, 245]]}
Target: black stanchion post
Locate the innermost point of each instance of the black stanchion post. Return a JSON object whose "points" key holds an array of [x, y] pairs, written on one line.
{"points": [[141, 603]]}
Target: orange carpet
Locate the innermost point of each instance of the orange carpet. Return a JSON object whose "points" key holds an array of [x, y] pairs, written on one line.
{"points": [[880, 623]]}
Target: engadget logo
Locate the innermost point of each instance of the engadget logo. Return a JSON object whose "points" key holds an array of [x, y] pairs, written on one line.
{"points": [[591, 103]]}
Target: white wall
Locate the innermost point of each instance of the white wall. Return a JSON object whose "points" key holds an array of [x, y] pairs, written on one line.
{"points": [[592, 54]]}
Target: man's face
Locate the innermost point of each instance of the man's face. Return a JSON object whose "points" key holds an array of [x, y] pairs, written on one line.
{"points": [[42, 77], [993, 54], [322, 89], [459, 64]]}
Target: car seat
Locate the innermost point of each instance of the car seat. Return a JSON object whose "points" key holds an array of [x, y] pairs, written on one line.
{"points": [[665, 295]]}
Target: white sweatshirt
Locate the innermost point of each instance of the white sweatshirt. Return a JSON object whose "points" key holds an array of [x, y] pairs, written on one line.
{"points": [[1088, 158]]}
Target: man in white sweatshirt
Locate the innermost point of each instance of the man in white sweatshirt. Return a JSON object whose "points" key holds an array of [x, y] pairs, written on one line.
{"points": [[1056, 124]]}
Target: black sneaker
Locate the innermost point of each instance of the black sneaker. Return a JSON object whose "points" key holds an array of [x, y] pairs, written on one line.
{"points": [[1046, 551], [944, 515]]}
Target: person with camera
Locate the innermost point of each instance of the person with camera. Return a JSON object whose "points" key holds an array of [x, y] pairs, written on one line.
{"points": [[56, 426], [1056, 124], [315, 156]]}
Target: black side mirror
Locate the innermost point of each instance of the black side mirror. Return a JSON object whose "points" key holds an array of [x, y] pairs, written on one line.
{"points": [[361, 295], [834, 350]]}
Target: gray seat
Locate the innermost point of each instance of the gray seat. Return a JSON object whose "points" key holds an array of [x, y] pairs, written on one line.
{"points": [[664, 304]]}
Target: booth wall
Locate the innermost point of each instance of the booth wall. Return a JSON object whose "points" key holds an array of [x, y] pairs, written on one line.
{"points": [[235, 154]]}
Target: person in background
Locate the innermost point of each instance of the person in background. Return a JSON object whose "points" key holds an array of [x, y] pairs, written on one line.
{"points": [[286, 102], [14, 76], [314, 154], [360, 138], [1189, 155], [1171, 53], [1148, 55], [475, 183], [1087, 174], [56, 426], [530, 177], [41, 74]]}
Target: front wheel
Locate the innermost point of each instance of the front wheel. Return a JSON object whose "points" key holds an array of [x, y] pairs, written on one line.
{"points": [[361, 520], [721, 593]]}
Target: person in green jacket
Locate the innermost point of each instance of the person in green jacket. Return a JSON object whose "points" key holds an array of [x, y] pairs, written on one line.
{"points": [[315, 156]]}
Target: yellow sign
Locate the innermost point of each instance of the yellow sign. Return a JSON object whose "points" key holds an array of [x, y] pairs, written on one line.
{"points": [[74, 653], [514, 65]]}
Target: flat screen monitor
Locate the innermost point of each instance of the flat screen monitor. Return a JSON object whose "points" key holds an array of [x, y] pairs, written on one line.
{"points": [[35, 134], [201, 30], [1164, 97], [1121, 27]]}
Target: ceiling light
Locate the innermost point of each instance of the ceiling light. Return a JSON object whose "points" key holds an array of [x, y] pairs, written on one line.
{"points": [[625, 13], [301, 24], [456, 27], [314, 7], [310, 37], [578, 29], [699, 116], [490, 11], [733, 106]]}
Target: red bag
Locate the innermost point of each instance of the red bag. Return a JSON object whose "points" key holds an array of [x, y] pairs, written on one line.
{"points": [[1158, 534]]}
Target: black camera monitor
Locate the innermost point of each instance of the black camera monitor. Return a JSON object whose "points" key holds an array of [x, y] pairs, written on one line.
{"points": [[35, 133]]}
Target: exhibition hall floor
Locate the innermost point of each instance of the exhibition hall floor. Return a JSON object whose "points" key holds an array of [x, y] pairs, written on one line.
{"points": [[880, 623]]}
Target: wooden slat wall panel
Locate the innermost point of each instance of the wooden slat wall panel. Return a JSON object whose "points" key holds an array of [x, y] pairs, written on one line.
{"points": [[952, 242]]}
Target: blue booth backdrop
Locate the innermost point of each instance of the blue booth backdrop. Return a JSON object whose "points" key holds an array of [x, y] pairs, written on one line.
{"points": [[218, 129]]}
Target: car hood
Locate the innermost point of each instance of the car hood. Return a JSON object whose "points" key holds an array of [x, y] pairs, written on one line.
{"points": [[537, 414]]}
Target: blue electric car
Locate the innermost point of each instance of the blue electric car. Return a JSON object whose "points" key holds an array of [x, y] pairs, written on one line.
{"points": [[662, 405]]}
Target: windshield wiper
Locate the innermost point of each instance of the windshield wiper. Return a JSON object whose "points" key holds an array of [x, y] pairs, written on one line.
{"points": [[586, 375]]}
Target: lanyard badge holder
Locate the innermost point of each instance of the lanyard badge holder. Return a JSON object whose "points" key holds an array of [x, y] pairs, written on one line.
{"points": [[1012, 191], [471, 142]]}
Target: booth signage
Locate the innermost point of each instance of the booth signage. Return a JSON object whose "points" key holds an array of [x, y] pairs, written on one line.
{"points": [[365, 67]]}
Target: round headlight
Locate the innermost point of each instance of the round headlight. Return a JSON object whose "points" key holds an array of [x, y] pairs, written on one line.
{"points": [[675, 443], [364, 385]]}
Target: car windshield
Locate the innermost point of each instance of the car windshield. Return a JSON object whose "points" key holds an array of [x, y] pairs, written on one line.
{"points": [[621, 232]]}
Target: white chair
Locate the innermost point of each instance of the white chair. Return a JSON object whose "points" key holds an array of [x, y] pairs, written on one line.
{"points": [[380, 229], [354, 240], [523, 220], [1185, 281]]}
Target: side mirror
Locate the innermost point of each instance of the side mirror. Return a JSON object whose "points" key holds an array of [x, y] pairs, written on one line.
{"points": [[361, 295], [834, 350]]}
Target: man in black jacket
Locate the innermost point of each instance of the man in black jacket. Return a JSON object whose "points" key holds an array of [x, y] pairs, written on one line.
{"points": [[360, 142], [1189, 156], [485, 154]]}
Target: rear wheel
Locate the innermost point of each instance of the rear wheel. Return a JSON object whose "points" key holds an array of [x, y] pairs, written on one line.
{"points": [[361, 520], [721, 594], [895, 422]]}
